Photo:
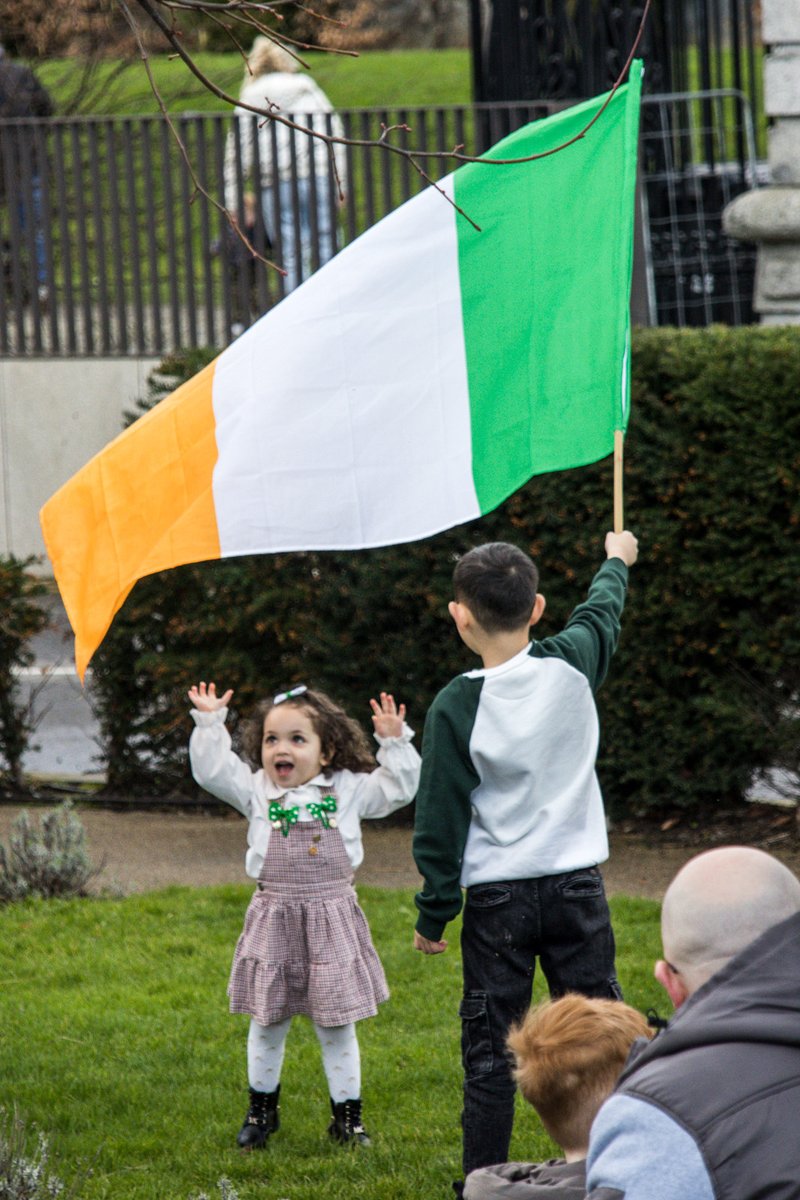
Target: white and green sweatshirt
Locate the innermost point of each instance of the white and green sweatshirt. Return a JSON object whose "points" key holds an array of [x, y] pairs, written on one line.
{"points": [[508, 787]]}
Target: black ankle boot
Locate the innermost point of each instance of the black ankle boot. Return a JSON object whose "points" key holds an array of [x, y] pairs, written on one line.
{"points": [[346, 1124], [262, 1119]]}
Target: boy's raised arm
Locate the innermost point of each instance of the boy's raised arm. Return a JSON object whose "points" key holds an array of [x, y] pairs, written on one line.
{"points": [[590, 636]]}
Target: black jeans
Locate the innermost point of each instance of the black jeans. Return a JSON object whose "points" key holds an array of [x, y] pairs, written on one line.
{"points": [[562, 920]]}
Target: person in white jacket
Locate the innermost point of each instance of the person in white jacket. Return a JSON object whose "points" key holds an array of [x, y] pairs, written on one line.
{"points": [[306, 946], [298, 177]]}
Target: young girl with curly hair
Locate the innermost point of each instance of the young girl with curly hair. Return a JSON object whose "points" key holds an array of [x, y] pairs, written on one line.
{"points": [[306, 946]]}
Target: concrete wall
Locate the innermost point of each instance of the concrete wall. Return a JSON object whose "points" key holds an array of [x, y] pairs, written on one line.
{"points": [[54, 415]]}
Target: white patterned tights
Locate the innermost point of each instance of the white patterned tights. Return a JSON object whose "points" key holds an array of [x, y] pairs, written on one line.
{"points": [[341, 1058]]}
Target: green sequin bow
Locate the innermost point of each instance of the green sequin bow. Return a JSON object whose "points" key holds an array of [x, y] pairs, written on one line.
{"points": [[283, 818], [320, 811]]}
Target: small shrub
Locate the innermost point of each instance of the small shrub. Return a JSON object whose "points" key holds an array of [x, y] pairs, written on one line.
{"points": [[48, 861], [25, 1175], [226, 1191], [170, 373]]}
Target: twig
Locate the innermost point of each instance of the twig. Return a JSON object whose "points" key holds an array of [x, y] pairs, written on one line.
{"points": [[230, 217], [244, 12], [150, 7]]}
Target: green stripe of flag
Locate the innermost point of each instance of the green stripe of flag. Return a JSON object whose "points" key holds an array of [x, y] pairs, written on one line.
{"points": [[545, 289]]}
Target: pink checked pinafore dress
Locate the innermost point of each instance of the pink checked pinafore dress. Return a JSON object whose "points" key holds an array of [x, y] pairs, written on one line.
{"points": [[306, 946]]}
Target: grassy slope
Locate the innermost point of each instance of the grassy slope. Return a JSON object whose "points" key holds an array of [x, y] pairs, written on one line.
{"points": [[403, 77], [373, 79], [115, 1040]]}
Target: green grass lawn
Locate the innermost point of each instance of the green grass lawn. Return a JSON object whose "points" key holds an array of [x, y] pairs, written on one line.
{"points": [[373, 79], [116, 1042], [377, 78]]}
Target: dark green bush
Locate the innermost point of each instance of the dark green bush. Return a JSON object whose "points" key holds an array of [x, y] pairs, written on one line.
{"points": [[701, 694], [714, 471], [20, 619]]}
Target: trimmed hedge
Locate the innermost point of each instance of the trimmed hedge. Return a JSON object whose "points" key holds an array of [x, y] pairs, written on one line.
{"points": [[21, 618], [700, 697]]}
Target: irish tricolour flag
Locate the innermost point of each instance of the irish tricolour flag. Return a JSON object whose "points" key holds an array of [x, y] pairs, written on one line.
{"points": [[412, 383]]}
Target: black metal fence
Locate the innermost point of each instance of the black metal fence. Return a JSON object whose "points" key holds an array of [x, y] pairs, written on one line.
{"points": [[546, 49], [116, 243]]}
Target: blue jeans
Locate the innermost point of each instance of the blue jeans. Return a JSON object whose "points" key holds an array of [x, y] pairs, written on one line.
{"points": [[563, 920], [33, 217], [301, 217]]}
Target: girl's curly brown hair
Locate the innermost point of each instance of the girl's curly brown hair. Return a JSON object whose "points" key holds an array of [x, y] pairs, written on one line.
{"points": [[344, 742]]}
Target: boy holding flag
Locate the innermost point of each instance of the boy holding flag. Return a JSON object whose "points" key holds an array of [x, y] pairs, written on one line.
{"points": [[510, 809]]}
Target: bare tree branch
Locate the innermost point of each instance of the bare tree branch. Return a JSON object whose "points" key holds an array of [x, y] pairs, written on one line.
{"points": [[244, 11], [199, 189], [252, 15]]}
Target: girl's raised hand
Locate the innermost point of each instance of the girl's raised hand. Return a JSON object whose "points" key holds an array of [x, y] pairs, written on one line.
{"points": [[387, 717], [205, 699]]}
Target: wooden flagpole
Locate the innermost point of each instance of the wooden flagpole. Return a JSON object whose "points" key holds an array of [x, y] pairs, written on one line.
{"points": [[619, 523]]}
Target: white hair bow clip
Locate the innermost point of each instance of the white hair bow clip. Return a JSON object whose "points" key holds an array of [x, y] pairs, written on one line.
{"points": [[290, 695]]}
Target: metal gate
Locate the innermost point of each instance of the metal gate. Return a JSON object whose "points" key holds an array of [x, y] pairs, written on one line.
{"points": [[697, 153], [552, 50]]}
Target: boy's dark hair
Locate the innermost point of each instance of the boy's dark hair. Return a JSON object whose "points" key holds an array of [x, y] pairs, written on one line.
{"points": [[344, 742], [498, 583]]}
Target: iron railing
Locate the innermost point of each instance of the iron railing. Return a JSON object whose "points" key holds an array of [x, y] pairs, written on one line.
{"points": [[112, 244], [546, 49]]}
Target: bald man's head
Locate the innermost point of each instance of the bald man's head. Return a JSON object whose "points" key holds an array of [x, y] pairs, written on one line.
{"points": [[718, 903]]}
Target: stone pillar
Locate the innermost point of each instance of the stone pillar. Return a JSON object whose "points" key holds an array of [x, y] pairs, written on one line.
{"points": [[770, 216]]}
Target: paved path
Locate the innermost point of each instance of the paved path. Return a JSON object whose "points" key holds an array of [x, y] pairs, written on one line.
{"points": [[143, 851]]}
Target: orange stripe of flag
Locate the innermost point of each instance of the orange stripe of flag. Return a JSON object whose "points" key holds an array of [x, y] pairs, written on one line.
{"points": [[143, 504]]}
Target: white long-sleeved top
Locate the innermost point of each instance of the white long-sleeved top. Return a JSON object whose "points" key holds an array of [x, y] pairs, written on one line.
{"points": [[298, 97], [360, 795]]}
